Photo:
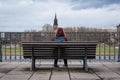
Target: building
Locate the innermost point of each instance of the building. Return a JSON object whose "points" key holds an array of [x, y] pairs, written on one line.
{"points": [[55, 24], [118, 28]]}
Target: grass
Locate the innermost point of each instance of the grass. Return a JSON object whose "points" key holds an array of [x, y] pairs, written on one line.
{"points": [[12, 51], [106, 49], [100, 50]]}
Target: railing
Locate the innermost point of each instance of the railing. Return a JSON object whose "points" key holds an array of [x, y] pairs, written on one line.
{"points": [[11, 48]]}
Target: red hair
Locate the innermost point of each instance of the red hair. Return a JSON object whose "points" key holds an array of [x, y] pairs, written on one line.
{"points": [[60, 32]]}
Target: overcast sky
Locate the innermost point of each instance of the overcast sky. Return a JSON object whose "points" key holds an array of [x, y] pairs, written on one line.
{"points": [[20, 15]]}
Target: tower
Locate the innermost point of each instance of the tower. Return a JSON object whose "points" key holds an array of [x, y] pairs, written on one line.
{"points": [[55, 24]]}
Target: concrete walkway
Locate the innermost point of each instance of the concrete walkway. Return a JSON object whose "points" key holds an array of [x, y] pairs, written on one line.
{"points": [[97, 71]]}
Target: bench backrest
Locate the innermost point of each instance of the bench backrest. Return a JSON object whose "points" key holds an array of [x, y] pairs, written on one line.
{"points": [[52, 50]]}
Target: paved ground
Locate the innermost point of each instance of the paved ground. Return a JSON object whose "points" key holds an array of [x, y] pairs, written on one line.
{"points": [[46, 71]]}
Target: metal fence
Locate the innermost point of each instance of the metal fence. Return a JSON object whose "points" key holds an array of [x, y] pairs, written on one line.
{"points": [[11, 48]]}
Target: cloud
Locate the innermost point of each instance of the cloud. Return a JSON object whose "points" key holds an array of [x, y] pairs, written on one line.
{"points": [[84, 4], [20, 15]]}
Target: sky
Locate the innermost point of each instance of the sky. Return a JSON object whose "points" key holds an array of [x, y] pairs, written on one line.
{"points": [[21, 15]]}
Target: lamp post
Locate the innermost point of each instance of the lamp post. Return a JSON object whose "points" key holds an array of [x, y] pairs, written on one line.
{"points": [[0, 48], [119, 52], [118, 34]]}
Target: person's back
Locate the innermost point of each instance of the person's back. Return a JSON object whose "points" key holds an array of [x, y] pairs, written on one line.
{"points": [[60, 37]]}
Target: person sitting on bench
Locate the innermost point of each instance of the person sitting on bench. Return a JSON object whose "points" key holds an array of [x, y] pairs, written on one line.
{"points": [[60, 37]]}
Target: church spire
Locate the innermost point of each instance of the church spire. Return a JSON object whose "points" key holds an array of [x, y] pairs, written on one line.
{"points": [[55, 24]]}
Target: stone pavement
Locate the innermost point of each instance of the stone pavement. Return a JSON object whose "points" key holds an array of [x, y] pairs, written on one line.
{"points": [[97, 71]]}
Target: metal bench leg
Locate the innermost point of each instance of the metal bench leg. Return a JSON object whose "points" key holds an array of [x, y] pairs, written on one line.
{"points": [[83, 63], [33, 64], [85, 66], [33, 60]]}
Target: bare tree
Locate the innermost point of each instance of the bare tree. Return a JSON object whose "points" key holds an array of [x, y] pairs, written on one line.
{"points": [[47, 27]]}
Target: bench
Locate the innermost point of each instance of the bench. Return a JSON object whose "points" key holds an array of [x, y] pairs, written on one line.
{"points": [[59, 50]]}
